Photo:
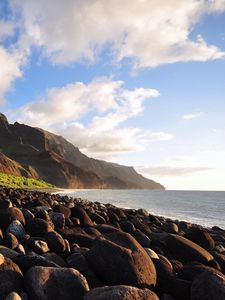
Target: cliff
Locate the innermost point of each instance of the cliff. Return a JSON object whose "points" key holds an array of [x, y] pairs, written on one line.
{"points": [[40, 154]]}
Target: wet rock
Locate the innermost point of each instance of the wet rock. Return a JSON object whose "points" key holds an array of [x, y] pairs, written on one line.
{"points": [[120, 251], [54, 283], [120, 292]]}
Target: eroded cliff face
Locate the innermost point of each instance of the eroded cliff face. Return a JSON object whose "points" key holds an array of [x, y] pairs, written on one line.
{"points": [[44, 155]]}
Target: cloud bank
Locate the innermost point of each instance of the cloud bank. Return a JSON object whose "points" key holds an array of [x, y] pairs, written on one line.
{"points": [[171, 171]]}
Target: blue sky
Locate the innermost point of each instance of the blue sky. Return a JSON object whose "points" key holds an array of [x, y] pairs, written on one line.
{"points": [[139, 82]]}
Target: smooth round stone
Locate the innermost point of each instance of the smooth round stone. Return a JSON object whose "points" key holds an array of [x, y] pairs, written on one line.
{"points": [[2, 259], [208, 286], [17, 229], [151, 253], [13, 296], [55, 283]]}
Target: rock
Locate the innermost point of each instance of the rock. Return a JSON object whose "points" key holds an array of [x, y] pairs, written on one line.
{"points": [[56, 259], [8, 252], [40, 247], [78, 236], [6, 203], [10, 241], [53, 283], [208, 286], [58, 219], [189, 272], [11, 278], [78, 262], [151, 253], [201, 237], [79, 212], [10, 214], [120, 251], [17, 229], [25, 262], [166, 297], [97, 218], [13, 296], [120, 292], [63, 210], [55, 242], [165, 275], [170, 227], [38, 227], [186, 250], [142, 239]]}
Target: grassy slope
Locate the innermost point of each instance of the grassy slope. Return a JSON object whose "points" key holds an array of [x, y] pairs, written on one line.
{"points": [[12, 181]]}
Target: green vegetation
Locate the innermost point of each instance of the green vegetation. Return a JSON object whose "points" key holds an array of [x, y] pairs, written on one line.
{"points": [[12, 181]]}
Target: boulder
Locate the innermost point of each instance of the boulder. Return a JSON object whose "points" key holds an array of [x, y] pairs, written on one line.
{"points": [[55, 242], [80, 213], [11, 278], [13, 296], [17, 229], [10, 241], [53, 283], [201, 237], [118, 258], [10, 214], [186, 250], [120, 292], [38, 227], [208, 286], [25, 262]]}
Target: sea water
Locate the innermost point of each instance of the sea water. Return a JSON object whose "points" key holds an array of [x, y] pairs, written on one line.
{"points": [[199, 207]]}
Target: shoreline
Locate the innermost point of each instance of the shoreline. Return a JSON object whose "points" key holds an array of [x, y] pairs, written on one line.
{"points": [[158, 202], [109, 250]]}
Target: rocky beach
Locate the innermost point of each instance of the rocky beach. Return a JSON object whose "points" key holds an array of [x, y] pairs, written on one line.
{"points": [[54, 246]]}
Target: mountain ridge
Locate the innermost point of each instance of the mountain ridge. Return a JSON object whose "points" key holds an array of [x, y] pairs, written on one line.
{"points": [[45, 155]]}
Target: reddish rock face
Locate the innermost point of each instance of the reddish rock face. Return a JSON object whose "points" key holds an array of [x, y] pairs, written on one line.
{"points": [[29, 151]]}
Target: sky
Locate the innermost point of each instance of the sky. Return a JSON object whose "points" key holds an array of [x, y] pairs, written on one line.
{"points": [[137, 82]]}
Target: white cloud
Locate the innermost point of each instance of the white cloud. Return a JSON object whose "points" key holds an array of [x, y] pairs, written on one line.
{"points": [[10, 63], [111, 103], [151, 32], [193, 116], [171, 171], [105, 104]]}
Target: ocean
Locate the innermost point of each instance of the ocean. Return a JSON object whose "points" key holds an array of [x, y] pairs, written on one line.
{"points": [[199, 207]]}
